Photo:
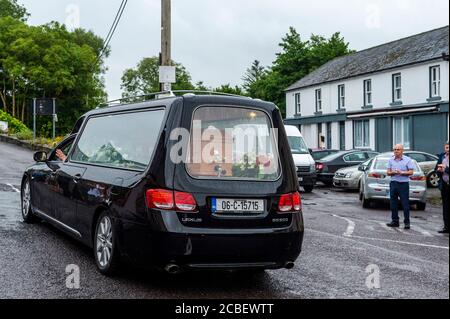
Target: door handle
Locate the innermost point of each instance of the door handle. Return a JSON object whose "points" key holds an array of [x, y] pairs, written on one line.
{"points": [[76, 178]]}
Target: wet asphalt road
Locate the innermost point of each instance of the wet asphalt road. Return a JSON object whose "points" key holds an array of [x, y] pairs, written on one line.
{"points": [[341, 241]]}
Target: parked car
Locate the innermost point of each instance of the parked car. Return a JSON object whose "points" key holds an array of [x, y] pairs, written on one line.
{"points": [[375, 183], [121, 193], [349, 177], [318, 154], [327, 166], [306, 168], [427, 163]]}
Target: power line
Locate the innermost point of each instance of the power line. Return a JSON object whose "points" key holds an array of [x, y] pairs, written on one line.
{"points": [[112, 30]]}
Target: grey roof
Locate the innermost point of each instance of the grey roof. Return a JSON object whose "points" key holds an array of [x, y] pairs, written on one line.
{"points": [[414, 49]]}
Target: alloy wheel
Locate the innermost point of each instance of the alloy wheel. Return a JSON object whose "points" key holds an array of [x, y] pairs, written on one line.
{"points": [[104, 242]]}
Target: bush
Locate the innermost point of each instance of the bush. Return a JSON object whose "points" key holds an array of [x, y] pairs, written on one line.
{"points": [[14, 125], [25, 135]]}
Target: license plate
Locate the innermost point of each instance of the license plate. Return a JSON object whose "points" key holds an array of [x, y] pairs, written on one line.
{"points": [[237, 205]]}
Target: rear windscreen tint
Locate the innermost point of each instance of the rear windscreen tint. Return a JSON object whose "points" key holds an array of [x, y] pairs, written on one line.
{"points": [[232, 143]]}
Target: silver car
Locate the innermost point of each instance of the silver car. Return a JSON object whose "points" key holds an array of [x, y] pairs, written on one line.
{"points": [[375, 183], [349, 177], [427, 163]]}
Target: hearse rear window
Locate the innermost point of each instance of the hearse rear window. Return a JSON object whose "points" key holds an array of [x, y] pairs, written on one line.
{"points": [[232, 143], [125, 140]]}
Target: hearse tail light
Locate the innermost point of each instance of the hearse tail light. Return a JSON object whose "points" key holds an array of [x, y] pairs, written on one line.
{"points": [[164, 199], [297, 202], [185, 202], [290, 203], [319, 166], [160, 199], [418, 178]]}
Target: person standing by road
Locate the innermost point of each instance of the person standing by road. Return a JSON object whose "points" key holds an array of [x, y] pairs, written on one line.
{"points": [[442, 169], [400, 168]]}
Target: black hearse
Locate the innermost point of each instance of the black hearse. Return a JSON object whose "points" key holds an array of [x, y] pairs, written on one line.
{"points": [[121, 188]]}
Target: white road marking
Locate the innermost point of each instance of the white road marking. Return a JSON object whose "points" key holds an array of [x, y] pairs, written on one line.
{"points": [[421, 230], [386, 227], [352, 238], [15, 189], [402, 242], [350, 227]]}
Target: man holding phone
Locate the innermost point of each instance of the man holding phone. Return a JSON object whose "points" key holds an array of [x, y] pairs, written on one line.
{"points": [[400, 168], [442, 169]]}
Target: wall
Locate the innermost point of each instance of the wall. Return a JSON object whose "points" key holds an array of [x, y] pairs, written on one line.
{"points": [[415, 90]]}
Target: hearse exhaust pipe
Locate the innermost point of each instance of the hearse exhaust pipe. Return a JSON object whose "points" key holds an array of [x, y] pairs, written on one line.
{"points": [[289, 265], [172, 269]]}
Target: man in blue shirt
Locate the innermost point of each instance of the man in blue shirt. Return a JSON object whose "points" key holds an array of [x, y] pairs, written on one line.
{"points": [[400, 168]]}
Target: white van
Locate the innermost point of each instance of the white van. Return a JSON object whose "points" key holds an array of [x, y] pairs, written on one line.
{"points": [[306, 167]]}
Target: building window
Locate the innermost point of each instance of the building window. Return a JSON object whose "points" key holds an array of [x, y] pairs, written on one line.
{"points": [[362, 134], [319, 100], [341, 96], [342, 136], [435, 81], [367, 92], [297, 103], [402, 132], [397, 87]]}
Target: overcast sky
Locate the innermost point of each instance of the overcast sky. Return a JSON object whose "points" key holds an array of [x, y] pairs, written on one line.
{"points": [[216, 40]]}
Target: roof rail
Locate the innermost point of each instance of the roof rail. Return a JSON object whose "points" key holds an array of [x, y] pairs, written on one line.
{"points": [[162, 94]]}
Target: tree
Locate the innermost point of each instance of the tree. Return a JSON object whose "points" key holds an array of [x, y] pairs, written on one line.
{"points": [[144, 79], [227, 88], [297, 59], [253, 74], [49, 61], [10, 8]]}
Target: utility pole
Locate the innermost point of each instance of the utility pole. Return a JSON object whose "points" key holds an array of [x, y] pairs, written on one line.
{"points": [[166, 42]]}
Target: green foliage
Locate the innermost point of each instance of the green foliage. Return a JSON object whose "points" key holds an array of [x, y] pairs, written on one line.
{"points": [[144, 79], [14, 125], [49, 61], [296, 60], [227, 88], [10, 8], [253, 74], [25, 135]]}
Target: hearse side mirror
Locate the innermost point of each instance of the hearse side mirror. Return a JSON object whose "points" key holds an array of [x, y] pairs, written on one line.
{"points": [[362, 168], [40, 157], [310, 150]]}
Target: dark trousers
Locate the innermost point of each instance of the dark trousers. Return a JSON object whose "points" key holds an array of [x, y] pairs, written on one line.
{"points": [[400, 190], [445, 194]]}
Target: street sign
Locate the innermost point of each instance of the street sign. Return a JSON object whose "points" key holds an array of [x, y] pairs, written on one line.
{"points": [[44, 107], [167, 74], [3, 127]]}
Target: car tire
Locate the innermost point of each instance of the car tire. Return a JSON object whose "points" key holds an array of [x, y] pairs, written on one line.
{"points": [[433, 180], [308, 188], [365, 202], [25, 200], [421, 206], [106, 254]]}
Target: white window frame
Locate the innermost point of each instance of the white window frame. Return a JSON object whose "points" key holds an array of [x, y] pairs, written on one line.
{"points": [[404, 140], [341, 96], [397, 89], [319, 100], [367, 92], [298, 105], [435, 81], [365, 143]]}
